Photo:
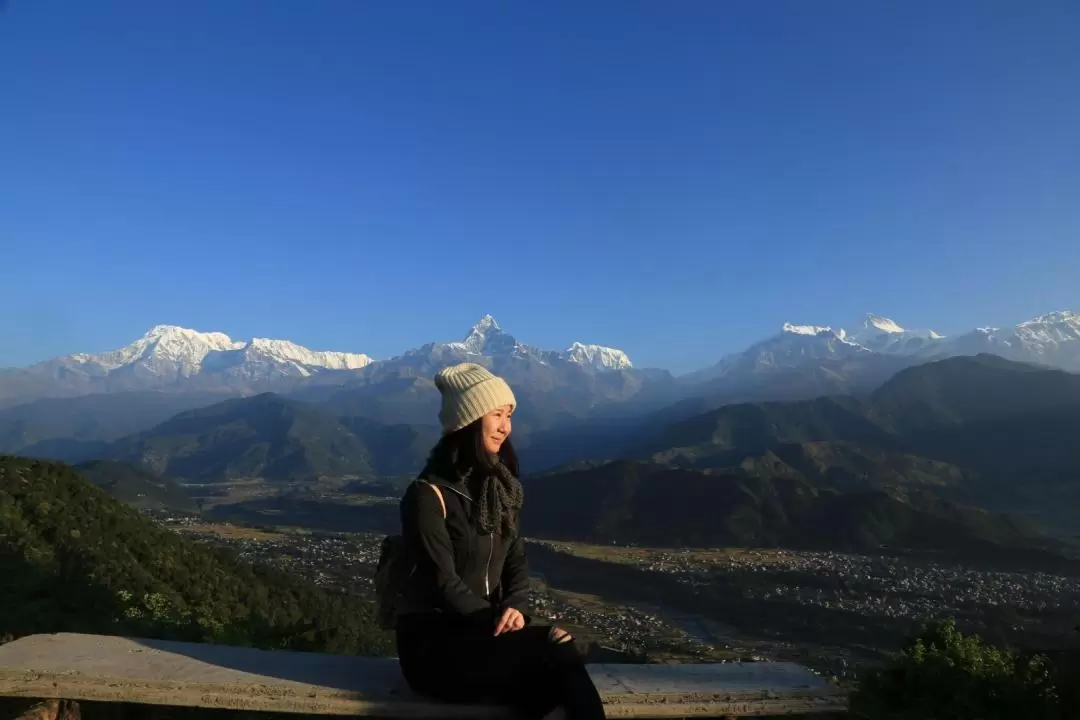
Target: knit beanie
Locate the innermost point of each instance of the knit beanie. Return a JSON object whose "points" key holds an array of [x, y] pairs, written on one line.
{"points": [[469, 392]]}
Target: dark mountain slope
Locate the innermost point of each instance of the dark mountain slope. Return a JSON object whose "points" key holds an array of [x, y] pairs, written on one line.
{"points": [[656, 505], [1005, 430], [92, 418]]}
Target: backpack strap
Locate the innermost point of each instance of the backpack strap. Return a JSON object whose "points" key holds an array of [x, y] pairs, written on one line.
{"points": [[438, 494]]}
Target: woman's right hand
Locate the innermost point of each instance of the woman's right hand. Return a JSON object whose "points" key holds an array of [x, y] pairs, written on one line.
{"points": [[510, 621]]}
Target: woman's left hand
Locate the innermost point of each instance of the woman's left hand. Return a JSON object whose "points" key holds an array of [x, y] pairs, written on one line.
{"points": [[510, 621]]}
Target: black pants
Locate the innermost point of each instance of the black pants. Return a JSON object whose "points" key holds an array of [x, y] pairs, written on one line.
{"points": [[457, 662]]}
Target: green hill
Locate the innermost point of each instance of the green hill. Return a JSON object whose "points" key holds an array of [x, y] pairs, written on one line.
{"points": [[74, 559], [263, 436], [136, 487]]}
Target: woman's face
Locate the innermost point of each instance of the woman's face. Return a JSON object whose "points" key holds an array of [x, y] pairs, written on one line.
{"points": [[495, 428]]}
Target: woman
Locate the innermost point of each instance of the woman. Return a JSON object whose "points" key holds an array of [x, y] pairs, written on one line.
{"points": [[463, 635]]}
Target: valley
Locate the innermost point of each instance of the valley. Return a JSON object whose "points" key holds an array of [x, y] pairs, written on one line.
{"points": [[835, 612]]}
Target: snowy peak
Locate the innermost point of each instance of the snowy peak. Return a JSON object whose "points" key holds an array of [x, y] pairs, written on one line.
{"points": [[1052, 339], [884, 335], [165, 349], [598, 356], [171, 352], [1052, 328], [288, 352], [807, 329], [487, 338], [1060, 316], [883, 324], [486, 323]]}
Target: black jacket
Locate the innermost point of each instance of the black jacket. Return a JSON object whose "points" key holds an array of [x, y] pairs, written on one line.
{"points": [[459, 569]]}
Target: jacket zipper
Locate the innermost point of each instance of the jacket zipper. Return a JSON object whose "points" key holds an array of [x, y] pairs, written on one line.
{"points": [[487, 565], [491, 544]]}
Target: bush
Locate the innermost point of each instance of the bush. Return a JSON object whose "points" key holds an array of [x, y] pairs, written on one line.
{"points": [[944, 675]]}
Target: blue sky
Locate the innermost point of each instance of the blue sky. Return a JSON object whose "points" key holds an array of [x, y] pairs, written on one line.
{"points": [[676, 179]]}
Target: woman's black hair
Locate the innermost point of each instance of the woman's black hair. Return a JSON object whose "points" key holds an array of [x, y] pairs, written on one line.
{"points": [[461, 452]]}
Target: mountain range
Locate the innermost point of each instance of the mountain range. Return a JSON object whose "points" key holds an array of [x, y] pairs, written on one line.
{"points": [[581, 402], [931, 458], [179, 359]]}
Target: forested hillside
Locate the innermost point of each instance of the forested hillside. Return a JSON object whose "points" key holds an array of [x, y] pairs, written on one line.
{"points": [[74, 559]]}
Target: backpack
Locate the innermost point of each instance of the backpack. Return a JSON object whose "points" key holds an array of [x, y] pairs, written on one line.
{"points": [[394, 571]]}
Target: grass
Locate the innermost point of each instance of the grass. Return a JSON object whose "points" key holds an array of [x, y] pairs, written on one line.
{"points": [[638, 555], [230, 532]]}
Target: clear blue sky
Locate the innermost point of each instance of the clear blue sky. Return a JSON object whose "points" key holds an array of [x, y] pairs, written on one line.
{"points": [[673, 178]]}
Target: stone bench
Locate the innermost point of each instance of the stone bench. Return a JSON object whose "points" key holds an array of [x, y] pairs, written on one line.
{"points": [[130, 670]]}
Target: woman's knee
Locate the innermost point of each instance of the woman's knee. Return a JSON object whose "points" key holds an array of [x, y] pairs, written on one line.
{"points": [[558, 636]]}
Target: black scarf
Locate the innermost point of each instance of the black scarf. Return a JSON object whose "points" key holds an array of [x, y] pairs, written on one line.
{"points": [[496, 495]]}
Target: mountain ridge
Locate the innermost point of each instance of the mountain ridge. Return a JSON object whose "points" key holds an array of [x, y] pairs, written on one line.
{"points": [[178, 359], [1007, 427]]}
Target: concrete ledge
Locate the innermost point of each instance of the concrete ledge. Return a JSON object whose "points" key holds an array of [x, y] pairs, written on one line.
{"points": [[131, 670]]}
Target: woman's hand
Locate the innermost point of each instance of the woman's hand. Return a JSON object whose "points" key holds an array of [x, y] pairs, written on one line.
{"points": [[510, 621]]}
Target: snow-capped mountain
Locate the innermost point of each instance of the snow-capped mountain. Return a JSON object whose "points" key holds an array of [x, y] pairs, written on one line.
{"points": [[176, 358], [797, 344], [550, 384], [798, 363], [487, 339], [883, 335], [598, 356], [169, 352], [832, 359], [1052, 339], [794, 347], [165, 351]]}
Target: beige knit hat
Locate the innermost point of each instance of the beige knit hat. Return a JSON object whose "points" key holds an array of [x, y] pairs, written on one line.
{"points": [[469, 392]]}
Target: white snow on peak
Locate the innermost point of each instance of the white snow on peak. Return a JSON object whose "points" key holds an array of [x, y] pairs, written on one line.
{"points": [[486, 335], [1060, 316], [806, 329], [169, 350], [1049, 330], [598, 356], [183, 350], [486, 323], [883, 324], [487, 338], [884, 335], [286, 351]]}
